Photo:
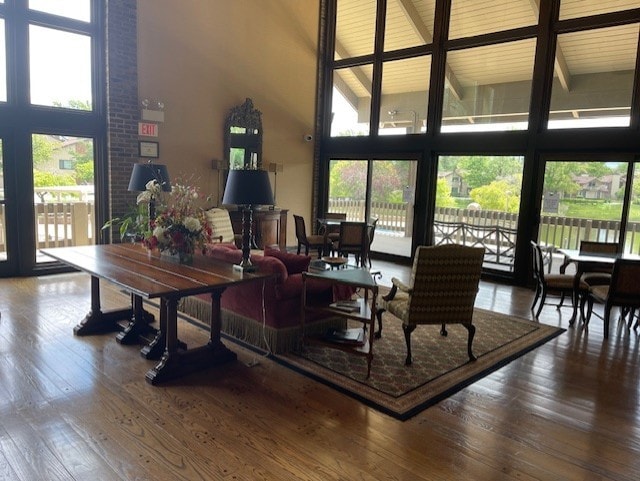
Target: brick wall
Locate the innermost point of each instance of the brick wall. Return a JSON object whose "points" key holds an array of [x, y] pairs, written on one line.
{"points": [[122, 102]]}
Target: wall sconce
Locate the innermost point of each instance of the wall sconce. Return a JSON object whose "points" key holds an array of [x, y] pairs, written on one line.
{"points": [[219, 165], [152, 111], [275, 168]]}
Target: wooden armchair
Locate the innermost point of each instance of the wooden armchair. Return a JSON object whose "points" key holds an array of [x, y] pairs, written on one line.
{"points": [[311, 241], [353, 239], [443, 288], [623, 292]]}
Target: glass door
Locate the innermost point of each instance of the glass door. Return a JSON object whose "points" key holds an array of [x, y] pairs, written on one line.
{"points": [[63, 192], [391, 202], [478, 204], [4, 250], [366, 190]]}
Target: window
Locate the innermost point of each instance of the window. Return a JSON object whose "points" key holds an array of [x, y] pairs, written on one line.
{"points": [[478, 203], [408, 24], [3, 64], [355, 28], [495, 89], [76, 9], [351, 105], [582, 201], [593, 78], [476, 18], [405, 84], [60, 67], [502, 84]]}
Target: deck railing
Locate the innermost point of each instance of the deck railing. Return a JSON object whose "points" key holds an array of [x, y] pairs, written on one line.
{"points": [[494, 230], [58, 224]]}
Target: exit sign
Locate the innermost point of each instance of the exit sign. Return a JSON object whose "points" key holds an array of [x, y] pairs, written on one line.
{"points": [[147, 129]]}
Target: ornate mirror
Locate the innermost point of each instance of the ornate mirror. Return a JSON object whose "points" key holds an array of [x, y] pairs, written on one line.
{"points": [[243, 137]]}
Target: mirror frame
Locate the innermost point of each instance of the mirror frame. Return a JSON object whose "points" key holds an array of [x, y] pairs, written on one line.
{"points": [[247, 117]]}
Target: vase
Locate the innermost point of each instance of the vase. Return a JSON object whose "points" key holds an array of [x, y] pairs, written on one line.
{"points": [[179, 257]]}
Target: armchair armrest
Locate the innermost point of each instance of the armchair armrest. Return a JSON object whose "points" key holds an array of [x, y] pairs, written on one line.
{"points": [[401, 285], [397, 284]]}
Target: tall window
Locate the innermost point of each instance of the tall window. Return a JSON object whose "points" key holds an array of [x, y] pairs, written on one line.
{"points": [[456, 83], [49, 80]]}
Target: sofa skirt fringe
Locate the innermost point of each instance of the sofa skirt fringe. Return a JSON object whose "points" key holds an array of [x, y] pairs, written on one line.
{"points": [[253, 332]]}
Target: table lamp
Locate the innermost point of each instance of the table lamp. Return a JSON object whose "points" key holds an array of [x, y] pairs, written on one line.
{"points": [[142, 174], [247, 188]]}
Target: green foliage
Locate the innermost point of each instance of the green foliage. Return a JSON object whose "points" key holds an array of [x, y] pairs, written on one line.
{"points": [[348, 179], [133, 225], [443, 194], [558, 177], [74, 104], [49, 179], [84, 172], [499, 195], [479, 171], [42, 147]]}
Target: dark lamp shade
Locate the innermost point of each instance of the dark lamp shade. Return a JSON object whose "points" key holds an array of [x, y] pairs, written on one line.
{"points": [[143, 173], [248, 187]]}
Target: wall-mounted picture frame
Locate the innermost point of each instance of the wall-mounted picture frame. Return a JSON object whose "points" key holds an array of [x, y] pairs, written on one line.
{"points": [[150, 150]]}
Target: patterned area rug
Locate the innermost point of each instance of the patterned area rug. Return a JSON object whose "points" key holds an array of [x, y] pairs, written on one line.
{"points": [[440, 364]]}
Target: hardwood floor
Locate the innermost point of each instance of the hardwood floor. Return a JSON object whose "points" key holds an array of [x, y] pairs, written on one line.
{"points": [[78, 408]]}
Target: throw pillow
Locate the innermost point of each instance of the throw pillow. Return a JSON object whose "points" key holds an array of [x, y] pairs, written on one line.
{"points": [[294, 263]]}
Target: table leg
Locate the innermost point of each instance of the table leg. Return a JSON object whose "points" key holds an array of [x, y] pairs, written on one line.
{"points": [[175, 363], [139, 324], [96, 321]]}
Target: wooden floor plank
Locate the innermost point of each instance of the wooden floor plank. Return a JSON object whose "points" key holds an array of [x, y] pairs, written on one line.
{"points": [[79, 408]]}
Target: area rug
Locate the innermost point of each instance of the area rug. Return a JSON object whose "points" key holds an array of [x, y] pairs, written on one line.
{"points": [[440, 364]]}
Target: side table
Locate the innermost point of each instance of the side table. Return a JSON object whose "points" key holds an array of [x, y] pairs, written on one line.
{"points": [[365, 313]]}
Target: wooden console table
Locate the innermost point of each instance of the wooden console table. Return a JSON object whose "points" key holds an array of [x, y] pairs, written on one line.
{"points": [[269, 226], [146, 276]]}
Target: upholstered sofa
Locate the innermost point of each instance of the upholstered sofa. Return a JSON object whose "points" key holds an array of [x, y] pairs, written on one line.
{"points": [[276, 327]]}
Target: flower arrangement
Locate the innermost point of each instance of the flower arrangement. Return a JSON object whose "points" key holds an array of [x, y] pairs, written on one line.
{"points": [[178, 226]]}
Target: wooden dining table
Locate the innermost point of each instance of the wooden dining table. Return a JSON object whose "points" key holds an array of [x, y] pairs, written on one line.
{"points": [[146, 275], [587, 262]]}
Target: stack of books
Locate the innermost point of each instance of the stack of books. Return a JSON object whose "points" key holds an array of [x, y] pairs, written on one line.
{"points": [[346, 306], [353, 336]]}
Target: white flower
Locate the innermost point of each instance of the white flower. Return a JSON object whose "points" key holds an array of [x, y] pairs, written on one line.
{"points": [[160, 233], [144, 196], [192, 224], [153, 186]]}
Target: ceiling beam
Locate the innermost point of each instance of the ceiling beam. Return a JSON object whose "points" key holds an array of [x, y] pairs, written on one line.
{"points": [[421, 30], [358, 72], [560, 64]]}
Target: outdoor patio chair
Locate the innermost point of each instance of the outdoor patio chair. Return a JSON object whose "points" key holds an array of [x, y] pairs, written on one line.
{"points": [[443, 288]]}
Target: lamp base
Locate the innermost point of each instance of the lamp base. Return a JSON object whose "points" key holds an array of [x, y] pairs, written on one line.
{"points": [[243, 268]]}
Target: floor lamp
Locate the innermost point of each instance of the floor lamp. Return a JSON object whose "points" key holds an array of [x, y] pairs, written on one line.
{"points": [[247, 188]]}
